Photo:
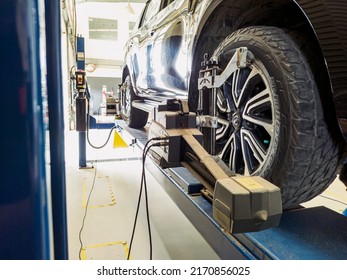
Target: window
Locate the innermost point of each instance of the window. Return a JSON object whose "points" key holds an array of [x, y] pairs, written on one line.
{"points": [[103, 29]]}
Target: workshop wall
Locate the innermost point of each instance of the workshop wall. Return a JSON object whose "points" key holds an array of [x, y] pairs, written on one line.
{"points": [[95, 86]]}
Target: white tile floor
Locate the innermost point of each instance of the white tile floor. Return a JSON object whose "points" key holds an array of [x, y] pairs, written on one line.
{"points": [[112, 205], [111, 209], [335, 198]]}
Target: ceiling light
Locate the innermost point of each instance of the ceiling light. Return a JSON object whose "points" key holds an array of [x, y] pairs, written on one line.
{"points": [[90, 67]]}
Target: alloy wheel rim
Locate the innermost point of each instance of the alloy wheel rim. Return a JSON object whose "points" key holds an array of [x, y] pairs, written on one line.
{"points": [[246, 110], [127, 103]]}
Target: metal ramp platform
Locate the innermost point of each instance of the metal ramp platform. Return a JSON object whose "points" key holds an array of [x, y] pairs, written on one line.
{"points": [[307, 234], [303, 234]]}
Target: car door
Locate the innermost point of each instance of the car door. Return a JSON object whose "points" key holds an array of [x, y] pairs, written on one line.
{"points": [[139, 48], [168, 74]]}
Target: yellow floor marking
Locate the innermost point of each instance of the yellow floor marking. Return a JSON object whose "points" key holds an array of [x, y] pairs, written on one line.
{"points": [[100, 245], [84, 195]]}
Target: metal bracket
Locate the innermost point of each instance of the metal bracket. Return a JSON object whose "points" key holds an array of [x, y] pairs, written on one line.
{"points": [[240, 204], [208, 83], [207, 121], [211, 80]]}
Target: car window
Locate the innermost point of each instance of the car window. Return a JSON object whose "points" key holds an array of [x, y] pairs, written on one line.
{"points": [[152, 8]]}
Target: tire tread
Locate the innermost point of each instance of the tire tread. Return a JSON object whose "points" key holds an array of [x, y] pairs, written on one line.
{"points": [[313, 154]]}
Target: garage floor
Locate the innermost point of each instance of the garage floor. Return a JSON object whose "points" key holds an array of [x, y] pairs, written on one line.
{"points": [[101, 205], [110, 212]]}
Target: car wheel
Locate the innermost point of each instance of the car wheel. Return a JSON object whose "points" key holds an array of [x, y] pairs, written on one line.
{"points": [[271, 119], [135, 118]]}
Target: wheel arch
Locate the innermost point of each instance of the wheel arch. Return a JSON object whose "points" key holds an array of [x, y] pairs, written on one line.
{"points": [[223, 17], [125, 73]]}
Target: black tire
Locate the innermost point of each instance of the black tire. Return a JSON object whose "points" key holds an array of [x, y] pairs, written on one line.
{"points": [[283, 136], [134, 117]]}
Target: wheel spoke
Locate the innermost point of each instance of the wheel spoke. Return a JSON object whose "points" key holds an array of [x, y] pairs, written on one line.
{"points": [[227, 92], [234, 87], [222, 102], [232, 153], [127, 103], [259, 103], [243, 91], [239, 87], [224, 126], [254, 153]]}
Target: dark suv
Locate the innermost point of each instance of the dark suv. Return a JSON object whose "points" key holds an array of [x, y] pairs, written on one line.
{"points": [[290, 100]]}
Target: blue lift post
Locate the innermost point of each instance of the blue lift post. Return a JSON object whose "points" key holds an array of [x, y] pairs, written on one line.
{"points": [[24, 211], [56, 128], [82, 135], [25, 231]]}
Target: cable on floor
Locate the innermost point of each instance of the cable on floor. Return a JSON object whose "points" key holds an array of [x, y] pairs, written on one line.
{"points": [[85, 211], [109, 135], [143, 186]]}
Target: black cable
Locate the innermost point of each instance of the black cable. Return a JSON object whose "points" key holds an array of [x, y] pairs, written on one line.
{"points": [[138, 201], [146, 196], [85, 213], [103, 145], [72, 67], [144, 186], [146, 204], [109, 135]]}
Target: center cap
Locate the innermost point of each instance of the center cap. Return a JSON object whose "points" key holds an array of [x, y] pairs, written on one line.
{"points": [[236, 120]]}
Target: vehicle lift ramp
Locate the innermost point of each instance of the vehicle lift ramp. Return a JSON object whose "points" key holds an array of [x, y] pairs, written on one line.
{"points": [[240, 216]]}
